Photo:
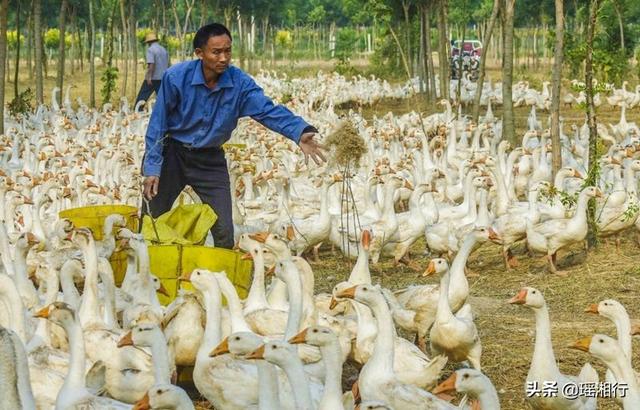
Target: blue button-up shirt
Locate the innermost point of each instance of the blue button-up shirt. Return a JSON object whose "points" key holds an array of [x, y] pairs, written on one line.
{"points": [[193, 114]]}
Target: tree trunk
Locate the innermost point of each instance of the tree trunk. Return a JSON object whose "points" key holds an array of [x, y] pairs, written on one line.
{"points": [[79, 36], [508, 125], [133, 45], [17, 67], [594, 168], [92, 57], [407, 27], [422, 61], [62, 20], [431, 72], [616, 7], [3, 57], [37, 29], [556, 86], [29, 37], [483, 59], [125, 47], [459, 88], [443, 56], [72, 29]]}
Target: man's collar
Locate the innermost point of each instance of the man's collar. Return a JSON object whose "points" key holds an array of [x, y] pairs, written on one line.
{"points": [[224, 81]]}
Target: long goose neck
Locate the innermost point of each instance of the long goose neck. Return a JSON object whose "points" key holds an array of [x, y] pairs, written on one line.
{"points": [[389, 211], [623, 372], [70, 293], [558, 182], [89, 309], [332, 394], [383, 349], [212, 332], [160, 359], [294, 289], [623, 331], [543, 351], [15, 307], [461, 257], [75, 375], [299, 382], [581, 209], [5, 251], [360, 273], [15, 388], [238, 323], [483, 209], [267, 386], [324, 208], [257, 295], [444, 313]]}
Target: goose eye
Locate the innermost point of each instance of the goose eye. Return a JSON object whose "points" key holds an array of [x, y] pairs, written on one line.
{"points": [[274, 346], [237, 337], [315, 330], [255, 251], [466, 376], [601, 340], [534, 292], [159, 391]]}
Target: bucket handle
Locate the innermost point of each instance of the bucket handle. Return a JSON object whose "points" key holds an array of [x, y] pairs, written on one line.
{"points": [[145, 201]]}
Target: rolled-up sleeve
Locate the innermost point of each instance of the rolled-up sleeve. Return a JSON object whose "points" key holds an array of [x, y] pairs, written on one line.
{"points": [[277, 118], [165, 102]]}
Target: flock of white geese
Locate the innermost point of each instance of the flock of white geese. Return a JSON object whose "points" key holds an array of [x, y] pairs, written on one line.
{"points": [[70, 338]]}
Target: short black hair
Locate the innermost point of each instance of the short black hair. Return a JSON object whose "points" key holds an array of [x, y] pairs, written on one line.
{"points": [[208, 31]]}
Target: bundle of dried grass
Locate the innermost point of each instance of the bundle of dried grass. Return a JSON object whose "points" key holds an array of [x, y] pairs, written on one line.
{"points": [[347, 146]]}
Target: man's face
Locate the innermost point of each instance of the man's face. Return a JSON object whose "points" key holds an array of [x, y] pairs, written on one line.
{"points": [[216, 54]]}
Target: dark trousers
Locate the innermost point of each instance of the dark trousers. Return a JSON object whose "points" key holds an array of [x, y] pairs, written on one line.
{"points": [[146, 90], [205, 170]]}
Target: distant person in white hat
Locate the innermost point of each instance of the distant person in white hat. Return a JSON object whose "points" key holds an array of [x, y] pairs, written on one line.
{"points": [[157, 64]]}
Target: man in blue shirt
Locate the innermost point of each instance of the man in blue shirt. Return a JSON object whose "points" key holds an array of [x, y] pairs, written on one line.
{"points": [[197, 108]]}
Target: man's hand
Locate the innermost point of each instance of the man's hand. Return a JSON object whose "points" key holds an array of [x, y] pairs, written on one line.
{"points": [[311, 148], [149, 82], [150, 187]]}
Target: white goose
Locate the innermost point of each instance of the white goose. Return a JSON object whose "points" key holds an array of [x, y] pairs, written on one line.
{"points": [[544, 367]]}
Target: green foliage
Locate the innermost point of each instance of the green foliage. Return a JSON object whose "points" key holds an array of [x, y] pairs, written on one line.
{"points": [[345, 42], [317, 15], [12, 39], [109, 78], [141, 33], [22, 104], [52, 38], [631, 212], [172, 43], [284, 39]]}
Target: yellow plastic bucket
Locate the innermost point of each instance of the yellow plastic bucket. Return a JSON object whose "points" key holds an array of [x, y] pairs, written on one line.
{"points": [[170, 262], [93, 217]]}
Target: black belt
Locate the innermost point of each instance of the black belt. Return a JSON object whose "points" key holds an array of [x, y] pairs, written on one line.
{"points": [[190, 147]]}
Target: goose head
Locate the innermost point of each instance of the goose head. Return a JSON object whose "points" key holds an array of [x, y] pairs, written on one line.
{"points": [[26, 241], [162, 396], [277, 352], [201, 279], [367, 294], [467, 381], [59, 313], [603, 347], [530, 297], [484, 234], [436, 266], [609, 308], [158, 286], [239, 344], [142, 335], [272, 241], [315, 336]]}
